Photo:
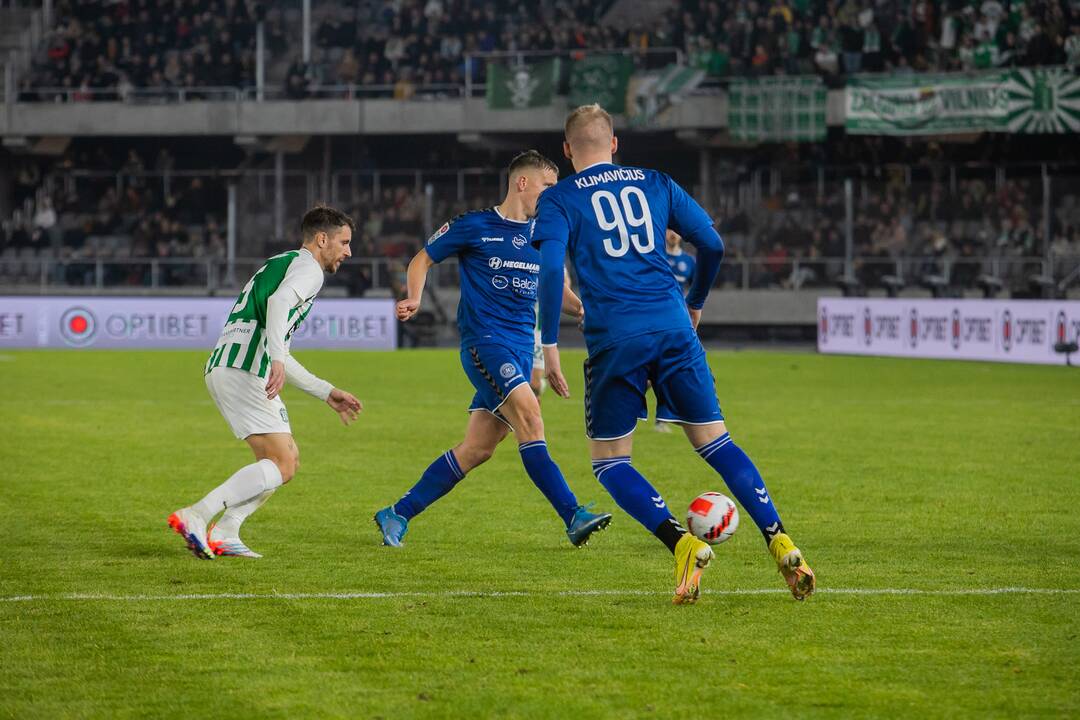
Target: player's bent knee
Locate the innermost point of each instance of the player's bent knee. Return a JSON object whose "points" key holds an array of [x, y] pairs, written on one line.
{"points": [[287, 466]]}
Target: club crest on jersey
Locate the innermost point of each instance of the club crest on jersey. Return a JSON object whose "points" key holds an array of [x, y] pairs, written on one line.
{"points": [[439, 233], [508, 370], [495, 263], [520, 241]]}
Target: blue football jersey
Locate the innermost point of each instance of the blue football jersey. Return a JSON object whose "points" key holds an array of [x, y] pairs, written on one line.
{"points": [[682, 266], [499, 275], [612, 221]]}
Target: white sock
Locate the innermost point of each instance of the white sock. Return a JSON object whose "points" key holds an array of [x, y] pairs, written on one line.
{"points": [[229, 524], [244, 485]]}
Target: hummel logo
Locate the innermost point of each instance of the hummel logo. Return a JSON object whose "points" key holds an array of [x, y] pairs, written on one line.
{"points": [[763, 495], [491, 239], [658, 501], [772, 529]]}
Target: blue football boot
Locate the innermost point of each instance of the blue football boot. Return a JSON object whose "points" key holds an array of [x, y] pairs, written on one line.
{"points": [[585, 523], [392, 526]]}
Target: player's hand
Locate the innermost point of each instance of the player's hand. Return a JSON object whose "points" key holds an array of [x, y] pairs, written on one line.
{"points": [[276, 380], [553, 372], [695, 317], [407, 308], [345, 405]]}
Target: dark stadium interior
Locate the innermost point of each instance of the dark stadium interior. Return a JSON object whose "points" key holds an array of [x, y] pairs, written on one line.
{"points": [[936, 215]]}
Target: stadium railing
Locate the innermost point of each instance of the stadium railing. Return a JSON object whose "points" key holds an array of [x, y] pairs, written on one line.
{"points": [[33, 273]]}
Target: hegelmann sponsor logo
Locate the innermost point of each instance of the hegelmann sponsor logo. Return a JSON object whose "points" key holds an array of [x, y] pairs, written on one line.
{"points": [[609, 176], [519, 265], [495, 263]]}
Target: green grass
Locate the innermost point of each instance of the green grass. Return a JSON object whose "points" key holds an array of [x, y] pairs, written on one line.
{"points": [[888, 473]]}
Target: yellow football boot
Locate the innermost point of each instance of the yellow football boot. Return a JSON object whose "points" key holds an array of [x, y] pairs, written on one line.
{"points": [[691, 557], [789, 559]]}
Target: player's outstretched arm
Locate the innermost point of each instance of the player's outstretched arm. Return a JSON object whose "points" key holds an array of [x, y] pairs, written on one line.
{"points": [[552, 292], [415, 279], [344, 404]]}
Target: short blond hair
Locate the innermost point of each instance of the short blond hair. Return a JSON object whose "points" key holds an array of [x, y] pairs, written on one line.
{"points": [[589, 125]]}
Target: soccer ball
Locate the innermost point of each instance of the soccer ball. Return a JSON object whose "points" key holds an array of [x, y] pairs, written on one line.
{"points": [[712, 517]]}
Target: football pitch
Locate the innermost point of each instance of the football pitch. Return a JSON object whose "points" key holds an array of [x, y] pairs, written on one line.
{"points": [[936, 502]]}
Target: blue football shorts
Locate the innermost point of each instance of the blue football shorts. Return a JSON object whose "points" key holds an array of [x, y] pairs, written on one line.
{"points": [[617, 377], [495, 370]]}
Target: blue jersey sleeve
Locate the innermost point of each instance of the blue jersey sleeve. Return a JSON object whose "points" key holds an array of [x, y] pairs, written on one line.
{"points": [[451, 239], [692, 222], [687, 217], [550, 234]]}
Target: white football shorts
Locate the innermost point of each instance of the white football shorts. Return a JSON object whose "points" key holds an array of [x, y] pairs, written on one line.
{"points": [[538, 351], [241, 398]]}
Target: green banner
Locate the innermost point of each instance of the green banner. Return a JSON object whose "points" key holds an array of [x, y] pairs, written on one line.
{"points": [[654, 92], [601, 79], [521, 86], [777, 109], [1045, 100]]}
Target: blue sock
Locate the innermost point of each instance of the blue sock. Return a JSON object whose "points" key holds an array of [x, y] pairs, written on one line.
{"points": [[744, 481], [632, 492], [439, 479], [546, 475]]}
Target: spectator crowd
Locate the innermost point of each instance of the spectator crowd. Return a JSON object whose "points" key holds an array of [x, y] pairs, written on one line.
{"points": [[114, 216], [104, 49]]}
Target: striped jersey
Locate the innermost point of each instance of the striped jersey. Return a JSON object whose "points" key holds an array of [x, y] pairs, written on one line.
{"points": [[242, 344]]}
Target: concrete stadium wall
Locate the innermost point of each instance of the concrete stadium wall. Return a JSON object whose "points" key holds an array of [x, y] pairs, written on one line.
{"points": [[329, 117]]}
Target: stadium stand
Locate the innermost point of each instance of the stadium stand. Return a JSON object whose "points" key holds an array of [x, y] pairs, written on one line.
{"points": [[104, 50]]}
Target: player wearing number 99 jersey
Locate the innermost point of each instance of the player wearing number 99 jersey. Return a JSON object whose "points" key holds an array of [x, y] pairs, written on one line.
{"points": [[610, 221]]}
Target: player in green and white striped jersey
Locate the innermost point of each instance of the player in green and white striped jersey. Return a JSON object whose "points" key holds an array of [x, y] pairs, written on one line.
{"points": [[245, 374]]}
